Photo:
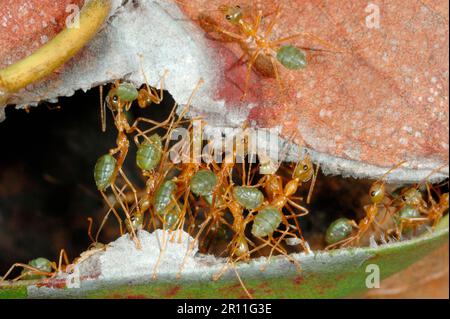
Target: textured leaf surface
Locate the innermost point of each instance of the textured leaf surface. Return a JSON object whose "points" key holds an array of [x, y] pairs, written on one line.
{"points": [[28, 24], [335, 274], [384, 100]]}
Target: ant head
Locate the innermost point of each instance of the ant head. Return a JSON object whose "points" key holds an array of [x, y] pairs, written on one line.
{"points": [[113, 100], [233, 14], [412, 196], [304, 169], [376, 192]]}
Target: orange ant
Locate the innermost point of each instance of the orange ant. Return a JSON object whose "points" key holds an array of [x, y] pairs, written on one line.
{"points": [[39, 268], [263, 53], [437, 209], [108, 167], [412, 205], [93, 248], [248, 197], [281, 197], [377, 194]]}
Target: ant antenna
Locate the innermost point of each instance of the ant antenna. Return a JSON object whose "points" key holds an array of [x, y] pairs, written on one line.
{"points": [[436, 170], [102, 109], [392, 169]]}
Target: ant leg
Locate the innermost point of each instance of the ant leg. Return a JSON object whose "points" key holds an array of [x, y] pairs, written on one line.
{"points": [[303, 242], [111, 208], [122, 150], [276, 43], [313, 183], [128, 217], [133, 189], [230, 34], [106, 217], [257, 22], [282, 251], [62, 254], [241, 282], [235, 245], [305, 210], [153, 93], [387, 213], [102, 109], [238, 62], [191, 246], [161, 252], [227, 264], [33, 269], [154, 124], [341, 242], [436, 221], [138, 134], [351, 240], [161, 87], [277, 243], [310, 35], [90, 221], [249, 72], [191, 98], [215, 232], [430, 197], [297, 227], [277, 75], [377, 224], [273, 22], [399, 230], [136, 201]]}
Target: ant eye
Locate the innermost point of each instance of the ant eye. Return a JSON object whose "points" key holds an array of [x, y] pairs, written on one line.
{"points": [[404, 198], [305, 167], [238, 6], [228, 17], [372, 193]]}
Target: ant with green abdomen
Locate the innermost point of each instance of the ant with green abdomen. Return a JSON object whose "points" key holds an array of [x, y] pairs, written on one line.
{"points": [[39, 268], [262, 52], [109, 166], [377, 194]]}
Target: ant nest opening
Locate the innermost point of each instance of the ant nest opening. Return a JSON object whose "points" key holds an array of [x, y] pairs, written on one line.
{"points": [[171, 200]]}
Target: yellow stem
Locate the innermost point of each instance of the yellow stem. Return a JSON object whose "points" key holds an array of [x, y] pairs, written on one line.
{"points": [[56, 52]]}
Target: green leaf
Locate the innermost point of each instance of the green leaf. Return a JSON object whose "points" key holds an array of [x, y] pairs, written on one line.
{"points": [[334, 274]]}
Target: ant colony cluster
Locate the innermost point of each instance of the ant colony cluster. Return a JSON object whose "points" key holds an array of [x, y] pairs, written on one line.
{"points": [[237, 209]]}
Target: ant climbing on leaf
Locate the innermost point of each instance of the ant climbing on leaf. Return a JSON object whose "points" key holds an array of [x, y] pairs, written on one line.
{"points": [[338, 232], [283, 197], [263, 54], [39, 268], [109, 166], [411, 206]]}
